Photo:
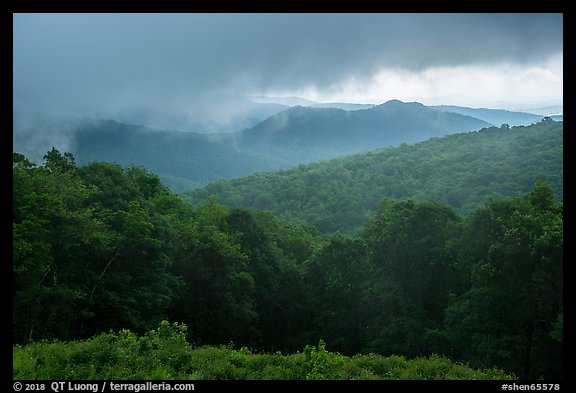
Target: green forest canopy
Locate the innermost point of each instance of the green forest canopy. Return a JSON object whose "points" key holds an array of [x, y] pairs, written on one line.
{"points": [[101, 247], [462, 170]]}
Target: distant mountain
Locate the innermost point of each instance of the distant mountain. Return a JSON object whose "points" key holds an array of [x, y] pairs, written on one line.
{"points": [[231, 114], [495, 117], [546, 110], [287, 101], [463, 170], [302, 134], [298, 101], [344, 106], [185, 160], [258, 112]]}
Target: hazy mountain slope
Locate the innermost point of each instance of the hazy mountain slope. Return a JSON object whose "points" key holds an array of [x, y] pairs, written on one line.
{"points": [[287, 101], [496, 117], [182, 159], [343, 105], [307, 134], [186, 160], [548, 110], [35, 134], [295, 101], [230, 115], [463, 170]]}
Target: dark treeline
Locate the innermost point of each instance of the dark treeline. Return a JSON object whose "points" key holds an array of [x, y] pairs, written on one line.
{"points": [[101, 247]]}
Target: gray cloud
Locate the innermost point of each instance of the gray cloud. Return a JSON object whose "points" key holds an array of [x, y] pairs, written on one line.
{"points": [[107, 62]]}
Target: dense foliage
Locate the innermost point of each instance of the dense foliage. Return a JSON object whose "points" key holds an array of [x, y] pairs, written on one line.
{"points": [[101, 247], [164, 353], [462, 170]]}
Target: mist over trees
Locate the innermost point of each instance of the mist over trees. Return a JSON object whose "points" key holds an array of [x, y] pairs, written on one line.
{"points": [[282, 140]]}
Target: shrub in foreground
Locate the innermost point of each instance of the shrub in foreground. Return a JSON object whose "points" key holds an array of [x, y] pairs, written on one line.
{"points": [[164, 353]]}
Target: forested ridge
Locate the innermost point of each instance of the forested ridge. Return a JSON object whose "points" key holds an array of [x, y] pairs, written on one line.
{"points": [[495, 117], [462, 170], [285, 139], [305, 134], [100, 247]]}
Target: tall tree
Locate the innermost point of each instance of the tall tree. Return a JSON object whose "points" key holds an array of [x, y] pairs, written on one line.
{"points": [[216, 301], [414, 274], [88, 255], [508, 315], [337, 277]]}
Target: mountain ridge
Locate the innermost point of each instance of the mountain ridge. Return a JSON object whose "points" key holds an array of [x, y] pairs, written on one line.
{"points": [[296, 135], [463, 170], [495, 117], [308, 134]]}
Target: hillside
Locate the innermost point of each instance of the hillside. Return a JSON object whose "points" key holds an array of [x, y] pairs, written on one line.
{"points": [[294, 136], [193, 159], [463, 170], [229, 114], [495, 117], [343, 105], [309, 134]]}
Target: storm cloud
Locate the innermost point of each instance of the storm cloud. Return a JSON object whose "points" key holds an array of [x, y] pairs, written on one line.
{"points": [[99, 63]]}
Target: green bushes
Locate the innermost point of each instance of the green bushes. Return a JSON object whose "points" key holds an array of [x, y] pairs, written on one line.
{"points": [[164, 353], [321, 364], [160, 354]]}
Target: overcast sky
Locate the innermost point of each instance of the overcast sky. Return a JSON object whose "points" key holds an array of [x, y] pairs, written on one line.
{"points": [[101, 62]]}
